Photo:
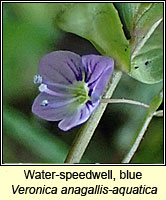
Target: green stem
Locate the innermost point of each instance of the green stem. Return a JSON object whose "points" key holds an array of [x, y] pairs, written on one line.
{"points": [[137, 142], [86, 132], [124, 101], [154, 105]]}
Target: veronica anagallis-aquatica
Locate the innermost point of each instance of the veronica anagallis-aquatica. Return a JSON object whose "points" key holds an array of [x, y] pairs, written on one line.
{"points": [[71, 86]]}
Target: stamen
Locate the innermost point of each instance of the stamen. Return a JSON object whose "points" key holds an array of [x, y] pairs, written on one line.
{"points": [[44, 103], [42, 87], [79, 89], [37, 79], [59, 85]]}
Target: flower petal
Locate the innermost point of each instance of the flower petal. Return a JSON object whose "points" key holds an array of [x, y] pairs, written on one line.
{"points": [[58, 107], [76, 119], [69, 122], [98, 70], [95, 65], [79, 117], [60, 67], [99, 86]]}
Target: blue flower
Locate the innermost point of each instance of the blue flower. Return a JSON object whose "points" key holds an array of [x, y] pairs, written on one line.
{"points": [[71, 87]]}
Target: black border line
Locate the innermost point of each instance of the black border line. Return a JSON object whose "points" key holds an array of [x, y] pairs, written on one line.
{"points": [[77, 165]]}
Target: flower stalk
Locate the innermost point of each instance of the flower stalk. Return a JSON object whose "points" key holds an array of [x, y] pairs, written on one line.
{"points": [[128, 101]]}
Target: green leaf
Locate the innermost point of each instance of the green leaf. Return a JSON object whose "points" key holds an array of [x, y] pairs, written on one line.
{"points": [[144, 24], [130, 13], [147, 58], [100, 24]]}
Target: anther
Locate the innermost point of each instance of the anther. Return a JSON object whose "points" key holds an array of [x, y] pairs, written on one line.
{"points": [[44, 103], [42, 87], [37, 79]]}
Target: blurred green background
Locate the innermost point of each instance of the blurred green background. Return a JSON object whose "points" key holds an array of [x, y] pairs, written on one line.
{"points": [[28, 34]]}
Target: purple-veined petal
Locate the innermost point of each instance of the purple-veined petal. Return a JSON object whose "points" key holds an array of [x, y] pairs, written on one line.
{"points": [[99, 86], [98, 71], [69, 122], [58, 107], [95, 65], [79, 117], [92, 106], [62, 67]]}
